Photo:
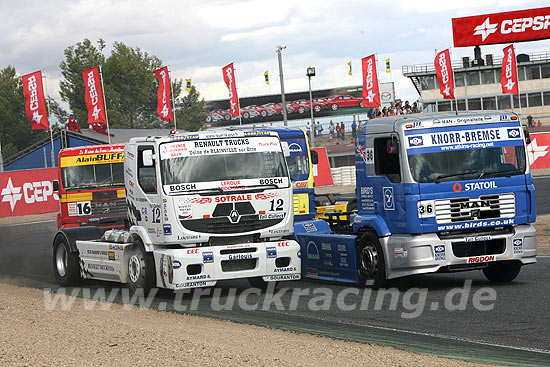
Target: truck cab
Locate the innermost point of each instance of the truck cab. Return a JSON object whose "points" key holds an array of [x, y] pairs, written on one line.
{"points": [[442, 193]]}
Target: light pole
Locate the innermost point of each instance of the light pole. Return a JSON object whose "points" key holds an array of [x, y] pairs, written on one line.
{"points": [[279, 49], [310, 72]]}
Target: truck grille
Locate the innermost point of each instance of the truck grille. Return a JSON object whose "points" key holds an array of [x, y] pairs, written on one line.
{"points": [[469, 209], [110, 207], [222, 225]]}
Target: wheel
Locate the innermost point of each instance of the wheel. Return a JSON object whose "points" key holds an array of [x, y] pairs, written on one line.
{"points": [[208, 118], [503, 271], [370, 262], [361, 104], [227, 117], [65, 263], [301, 109], [317, 108], [334, 106], [141, 268], [258, 282], [246, 115], [264, 113]]}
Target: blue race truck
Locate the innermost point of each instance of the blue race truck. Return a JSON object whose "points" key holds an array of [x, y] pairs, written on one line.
{"points": [[436, 193]]}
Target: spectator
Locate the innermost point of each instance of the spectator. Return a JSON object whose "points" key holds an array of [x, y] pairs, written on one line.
{"points": [[384, 111], [530, 121], [314, 129], [72, 124], [319, 128], [370, 113], [338, 130], [539, 124], [353, 130], [342, 130], [415, 108], [331, 130]]}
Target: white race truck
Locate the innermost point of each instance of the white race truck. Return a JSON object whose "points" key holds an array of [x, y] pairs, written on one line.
{"points": [[202, 207]]}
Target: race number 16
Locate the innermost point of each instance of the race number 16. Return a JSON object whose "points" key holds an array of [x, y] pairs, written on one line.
{"points": [[84, 208]]}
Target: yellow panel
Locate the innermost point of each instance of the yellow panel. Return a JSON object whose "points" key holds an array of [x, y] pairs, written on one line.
{"points": [[82, 196], [301, 204], [121, 193], [101, 158], [321, 210]]}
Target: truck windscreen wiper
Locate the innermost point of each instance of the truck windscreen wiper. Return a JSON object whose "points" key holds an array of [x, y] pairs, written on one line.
{"points": [[483, 173], [452, 175]]}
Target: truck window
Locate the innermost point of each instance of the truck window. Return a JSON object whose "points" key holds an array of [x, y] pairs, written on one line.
{"points": [[386, 164], [147, 176]]}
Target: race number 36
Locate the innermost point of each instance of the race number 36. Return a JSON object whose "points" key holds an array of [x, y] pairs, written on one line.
{"points": [[80, 208], [426, 209]]}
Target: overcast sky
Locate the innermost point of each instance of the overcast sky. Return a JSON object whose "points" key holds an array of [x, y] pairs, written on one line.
{"points": [[197, 38]]}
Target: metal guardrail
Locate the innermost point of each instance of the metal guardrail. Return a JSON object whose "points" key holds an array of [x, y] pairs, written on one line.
{"points": [[457, 64]]}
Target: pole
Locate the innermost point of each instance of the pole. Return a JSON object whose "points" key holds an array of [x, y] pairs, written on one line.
{"points": [[1, 159], [104, 104], [279, 56], [52, 153], [172, 97], [310, 100]]}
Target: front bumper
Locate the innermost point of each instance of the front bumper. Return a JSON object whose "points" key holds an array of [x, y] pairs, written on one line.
{"points": [[427, 253], [204, 266]]}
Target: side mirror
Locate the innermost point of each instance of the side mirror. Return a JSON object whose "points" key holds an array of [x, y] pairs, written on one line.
{"points": [[314, 157], [55, 184], [391, 146], [147, 156], [286, 150], [526, 134]]}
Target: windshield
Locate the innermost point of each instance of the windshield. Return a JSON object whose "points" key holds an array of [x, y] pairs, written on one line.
{"points": [[204, 161], [93, 176], [467, 164], [298, 165]]}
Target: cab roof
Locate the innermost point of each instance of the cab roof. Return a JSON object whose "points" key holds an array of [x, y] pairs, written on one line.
{"points": [[207, 134]]}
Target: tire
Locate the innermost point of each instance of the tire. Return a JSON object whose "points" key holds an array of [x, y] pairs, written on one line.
{"points": [[246, 115], [65, 263], [503, 271], [317, 108], [301, 110], [370, 262], [334, 106], [361, 104], [227, 117], [209, 119], [264, 113], [258, 282], [141, 269]]}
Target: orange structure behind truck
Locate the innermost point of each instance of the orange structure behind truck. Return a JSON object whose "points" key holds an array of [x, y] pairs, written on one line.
{"points": [[91, 187]]}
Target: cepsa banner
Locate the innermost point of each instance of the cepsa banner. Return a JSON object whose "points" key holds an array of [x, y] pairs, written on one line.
{"points": [[28, 192], [538, 149], [507, 27]]}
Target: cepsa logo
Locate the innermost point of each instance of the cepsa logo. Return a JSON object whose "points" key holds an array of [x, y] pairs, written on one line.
{"points": [[30, 192]]}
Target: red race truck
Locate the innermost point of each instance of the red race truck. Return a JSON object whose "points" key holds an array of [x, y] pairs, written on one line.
{"points": [[91, 187]]}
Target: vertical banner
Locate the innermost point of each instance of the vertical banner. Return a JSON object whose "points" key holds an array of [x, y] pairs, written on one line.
{"points": [[93, 96], [371, 93], [444, 72], [35, 105], [350, 72], [188, 85], [509, 75], [388, 66], [266, 77], [229, 79], [164, 106]]}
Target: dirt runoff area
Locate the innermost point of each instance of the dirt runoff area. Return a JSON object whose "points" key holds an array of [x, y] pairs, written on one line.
{"points": [[543, 234], [129, 336]]}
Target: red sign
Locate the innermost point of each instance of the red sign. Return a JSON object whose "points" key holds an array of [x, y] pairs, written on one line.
{"points": [[229, 79], [511, 26], [164, 108], [28, 192], [371, 93], [321, 171], [444, 72], [35, 105], [93, 96], [538, 151], [509, 74]]}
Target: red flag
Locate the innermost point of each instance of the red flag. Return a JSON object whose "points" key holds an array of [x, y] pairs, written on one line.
{"points": [[371, 93], [164, 108], [509, 74], [93, 96], [229, 79], [444, 72], [35, 106]]}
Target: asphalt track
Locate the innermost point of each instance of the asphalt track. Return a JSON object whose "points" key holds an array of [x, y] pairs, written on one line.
{"points": [[542, 192], [515, 332]]}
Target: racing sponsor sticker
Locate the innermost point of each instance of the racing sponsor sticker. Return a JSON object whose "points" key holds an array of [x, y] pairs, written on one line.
{"points": [[284, 277], [167, 229], [518, 246], [388, 198], [207, 257], [477, 238], [309, 227], [176, 264], [440, 253], [426, 209], [400, 253], [271, 252], [271, 216], [481, 259]]}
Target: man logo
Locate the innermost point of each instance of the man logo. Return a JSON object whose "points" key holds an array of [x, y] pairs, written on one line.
{"points": [[415, 141], [294, 148], [513, 133]]}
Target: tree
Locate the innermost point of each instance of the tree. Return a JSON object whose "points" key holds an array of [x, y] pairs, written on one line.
{"points": [[191, 113], [82, 56], [130, 86], [15, 128]]}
